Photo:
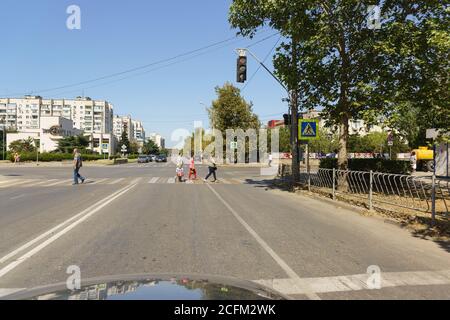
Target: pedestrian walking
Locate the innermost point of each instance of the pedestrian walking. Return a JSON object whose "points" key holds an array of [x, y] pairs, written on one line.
{"points": [[179, 171], [77, 165], [212, 167], [192, 170], [16, 158], [270, 159]]}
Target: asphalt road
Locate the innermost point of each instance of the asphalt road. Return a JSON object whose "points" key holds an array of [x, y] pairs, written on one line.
{"points": [[134, 219]]}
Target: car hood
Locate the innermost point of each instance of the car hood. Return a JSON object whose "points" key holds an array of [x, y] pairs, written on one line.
{"points": [[148, 287]]}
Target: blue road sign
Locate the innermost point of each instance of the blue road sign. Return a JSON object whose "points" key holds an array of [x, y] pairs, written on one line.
{"points": [[308, 129]]}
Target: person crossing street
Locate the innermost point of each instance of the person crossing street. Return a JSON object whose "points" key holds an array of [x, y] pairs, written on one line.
{"points": [[77, 165], [212, 167]]}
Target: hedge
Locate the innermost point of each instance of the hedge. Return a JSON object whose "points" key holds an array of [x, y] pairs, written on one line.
{"points": [[57, 157], [376, 165]]}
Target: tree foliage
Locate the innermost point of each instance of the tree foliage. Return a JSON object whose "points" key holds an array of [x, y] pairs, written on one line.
{"points": [[150, 147], [22, 146], [231, 111], [68, 144], [353, 71]]}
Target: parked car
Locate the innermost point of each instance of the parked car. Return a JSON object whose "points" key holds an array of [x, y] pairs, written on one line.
{"points": [[149, 158], [153, 157], [161, 158], [143, 159]]}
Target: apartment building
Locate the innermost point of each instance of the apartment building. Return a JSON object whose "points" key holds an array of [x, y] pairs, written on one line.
{"points": [[93, 117], [139, 133], [158, 140], [123, 124], [134, 129], [89, 115]]}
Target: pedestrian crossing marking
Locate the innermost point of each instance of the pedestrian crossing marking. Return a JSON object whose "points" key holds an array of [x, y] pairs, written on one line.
{"points": [[116, 181], [47, 183], [153, 180]]}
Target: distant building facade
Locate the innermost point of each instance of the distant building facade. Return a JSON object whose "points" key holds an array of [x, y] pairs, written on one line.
{"points": [[158, 140]]}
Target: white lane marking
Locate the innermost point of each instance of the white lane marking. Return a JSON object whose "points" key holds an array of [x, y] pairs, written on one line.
{"points": [[7, 292], [153, 180], [137, 180], [171, 180], [58, 235], [357, 282], [53, 230], [57, 183], [98, 181], [38, 183], [289, 271], [15, 183], [116, 181], [17, 197]]}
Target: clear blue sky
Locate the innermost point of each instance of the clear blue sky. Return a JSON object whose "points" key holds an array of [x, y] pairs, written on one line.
{"points": [[38, 52]]}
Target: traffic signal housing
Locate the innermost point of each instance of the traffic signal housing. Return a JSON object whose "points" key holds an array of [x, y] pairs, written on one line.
{"points": [[287, 119], [241, 69]]}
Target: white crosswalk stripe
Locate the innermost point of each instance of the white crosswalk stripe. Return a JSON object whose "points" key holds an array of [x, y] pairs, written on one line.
{"points": [[154, 180], [13, 183], [116, 181], [99, 181], [57, 183], [171, 180], [40, 183]]}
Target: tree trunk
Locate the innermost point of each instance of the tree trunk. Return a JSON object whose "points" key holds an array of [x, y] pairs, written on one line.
{"points": [[343, 142], [294, 140]]}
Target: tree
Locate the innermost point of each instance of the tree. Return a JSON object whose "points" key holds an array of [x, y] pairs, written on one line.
{"points": [[68, 144], [151, 148], [327, 143], [351, 70], [418, 55], [124, 141], [231, 111], [22, 146]]}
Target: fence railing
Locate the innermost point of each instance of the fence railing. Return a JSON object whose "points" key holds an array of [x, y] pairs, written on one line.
{"points": [[425, 194]]}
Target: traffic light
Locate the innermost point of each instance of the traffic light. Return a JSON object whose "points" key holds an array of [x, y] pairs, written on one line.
{"points": [[287, 119], [242, 69]]}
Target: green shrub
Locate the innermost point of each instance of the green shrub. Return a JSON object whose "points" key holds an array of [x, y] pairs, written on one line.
{"points": [[376, 165], [54, 157]]}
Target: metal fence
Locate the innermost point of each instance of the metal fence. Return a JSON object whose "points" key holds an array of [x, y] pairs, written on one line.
{"points": [[425, 194]]}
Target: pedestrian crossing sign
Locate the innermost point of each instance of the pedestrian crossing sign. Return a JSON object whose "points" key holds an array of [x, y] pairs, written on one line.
{"points": [[308, 129]]}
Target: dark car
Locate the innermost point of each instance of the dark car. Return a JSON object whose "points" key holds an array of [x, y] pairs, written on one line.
{"points": [[143, 159], [161, 158]]}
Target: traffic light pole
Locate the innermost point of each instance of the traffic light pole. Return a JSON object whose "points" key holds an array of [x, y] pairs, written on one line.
{"points": [[293, 101]]}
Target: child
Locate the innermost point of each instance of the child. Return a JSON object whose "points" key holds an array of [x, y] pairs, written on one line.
{"points": [[192, 170], [180, 173]]}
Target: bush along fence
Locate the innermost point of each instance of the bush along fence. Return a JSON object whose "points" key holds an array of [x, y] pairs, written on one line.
{"points": [[381, 190]]}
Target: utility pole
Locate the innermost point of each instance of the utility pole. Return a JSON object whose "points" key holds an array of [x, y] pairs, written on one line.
{"points": [[294, 126]]}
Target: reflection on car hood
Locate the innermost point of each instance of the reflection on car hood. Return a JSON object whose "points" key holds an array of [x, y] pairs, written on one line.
{"points": [[154, 288]]}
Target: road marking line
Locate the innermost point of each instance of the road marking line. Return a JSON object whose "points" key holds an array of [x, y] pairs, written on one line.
{"points": [[54, 229], [154, 180], [98, 181], [43, 182], [7, 292], [57, 183], [357, 282], [289, 271], [17, 197], [116, 181], [58, 235], [137, 180], [15, 183], [171, 180]]}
